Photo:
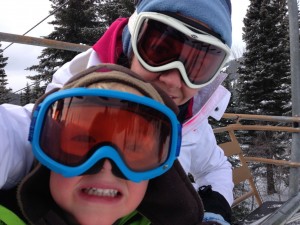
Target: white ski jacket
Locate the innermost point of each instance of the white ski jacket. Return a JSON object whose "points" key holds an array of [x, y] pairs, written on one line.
{"points": [[200, 155]]}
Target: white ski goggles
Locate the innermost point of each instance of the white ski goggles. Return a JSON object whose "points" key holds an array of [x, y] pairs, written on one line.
{"points": [[161, 42]]}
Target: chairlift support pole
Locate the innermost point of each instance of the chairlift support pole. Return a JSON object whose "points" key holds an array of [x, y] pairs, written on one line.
{"points": [[295, 82], [284, 213], [6, 37]]}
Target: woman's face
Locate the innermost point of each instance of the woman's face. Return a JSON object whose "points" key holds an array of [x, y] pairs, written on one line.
{"points": [[170, 81], [100, 198]]}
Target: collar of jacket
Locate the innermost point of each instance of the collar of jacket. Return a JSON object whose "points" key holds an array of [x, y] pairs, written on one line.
{"points": [[109, 47], [35, 200], [214, 106]]}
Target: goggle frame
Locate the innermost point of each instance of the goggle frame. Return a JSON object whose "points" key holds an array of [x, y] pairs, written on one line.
{"points": [[135, 23], [110, 152]]}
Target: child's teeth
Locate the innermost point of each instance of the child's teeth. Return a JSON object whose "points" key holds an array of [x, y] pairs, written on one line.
{"points": [[101, 192]]}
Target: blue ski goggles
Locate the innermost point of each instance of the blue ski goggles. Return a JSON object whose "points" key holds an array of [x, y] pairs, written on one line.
{"points": [[73, 129]]}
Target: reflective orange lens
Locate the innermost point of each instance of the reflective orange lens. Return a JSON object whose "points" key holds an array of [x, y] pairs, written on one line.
{"points": [[159, 44], [76, 127]]}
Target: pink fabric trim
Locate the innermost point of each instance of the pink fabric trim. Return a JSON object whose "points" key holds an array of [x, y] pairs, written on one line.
{"points": [[190, 109], [109, 46]]}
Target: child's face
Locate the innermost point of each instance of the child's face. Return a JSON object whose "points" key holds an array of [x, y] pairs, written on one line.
{"points": [[170, 81], [100, 198]]}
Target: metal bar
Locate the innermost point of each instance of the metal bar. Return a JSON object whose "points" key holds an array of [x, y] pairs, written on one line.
{"points": [[284, 212], [295, 80], [261, 117], [237, 127], [40, 22], [43, 42], [272, 161], [290, 207], [242, 198]]}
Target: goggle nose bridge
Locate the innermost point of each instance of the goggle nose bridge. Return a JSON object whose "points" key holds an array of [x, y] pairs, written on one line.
{"points": [[104, 151], [98, 166]]}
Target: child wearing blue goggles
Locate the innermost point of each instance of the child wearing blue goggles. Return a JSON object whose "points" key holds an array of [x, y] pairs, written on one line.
{"points": [[101, 122]]}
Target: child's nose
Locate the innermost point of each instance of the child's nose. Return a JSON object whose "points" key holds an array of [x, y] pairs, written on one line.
{"points": [[107, 165]]}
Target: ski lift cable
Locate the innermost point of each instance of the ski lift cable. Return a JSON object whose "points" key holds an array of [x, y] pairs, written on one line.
{"points": [[39, 23], [29, 85], [31, 30]]}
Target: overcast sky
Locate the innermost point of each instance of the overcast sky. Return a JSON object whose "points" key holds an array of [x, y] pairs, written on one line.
{"points": [[18, 16]]}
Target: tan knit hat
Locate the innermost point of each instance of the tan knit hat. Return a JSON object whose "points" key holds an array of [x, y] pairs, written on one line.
{"points": [[111, 73]]}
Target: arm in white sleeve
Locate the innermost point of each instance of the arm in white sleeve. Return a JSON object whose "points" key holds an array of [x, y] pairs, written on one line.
{"points": [[209, 165], [200, 155], [79, 63], [15, 150]]}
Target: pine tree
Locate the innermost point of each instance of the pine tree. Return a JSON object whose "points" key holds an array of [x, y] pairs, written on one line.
{"points": [[4, 91], [25, 97], [251, 35], [264, 81], [231, 83], [75, 22], [110, 10], [36, 91]]}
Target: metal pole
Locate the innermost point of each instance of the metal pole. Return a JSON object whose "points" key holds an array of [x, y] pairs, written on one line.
{"points": [[42, 42], [295, 80], [284, 213]]}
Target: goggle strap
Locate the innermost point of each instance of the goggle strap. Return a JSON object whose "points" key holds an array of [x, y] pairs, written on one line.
{"points": [[195, 26], [33, 121], [178, 147]]}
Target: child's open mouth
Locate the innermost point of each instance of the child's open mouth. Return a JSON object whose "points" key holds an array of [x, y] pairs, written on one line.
{"points": [[101, 192]]}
